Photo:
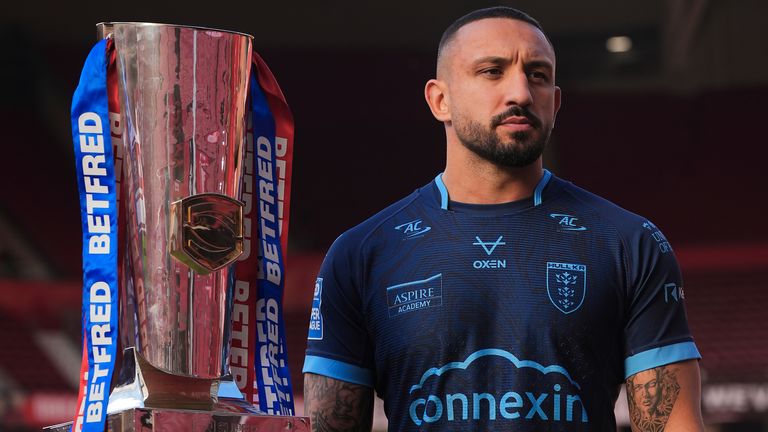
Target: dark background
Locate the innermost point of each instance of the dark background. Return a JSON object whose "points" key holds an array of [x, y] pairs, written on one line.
{"points": [[672, 129]]}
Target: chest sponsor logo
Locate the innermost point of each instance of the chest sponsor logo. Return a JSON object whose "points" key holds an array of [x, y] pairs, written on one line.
{"points": [[567, 222], [557, 401], [414, 228], [566, 285], [415, 295], [489, 247], [315, 315]]}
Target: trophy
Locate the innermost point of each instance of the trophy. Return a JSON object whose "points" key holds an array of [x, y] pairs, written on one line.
{"points": [[182, 122]]}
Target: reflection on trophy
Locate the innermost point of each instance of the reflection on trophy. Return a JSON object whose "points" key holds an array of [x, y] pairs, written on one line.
{"points": [[183, 113]]}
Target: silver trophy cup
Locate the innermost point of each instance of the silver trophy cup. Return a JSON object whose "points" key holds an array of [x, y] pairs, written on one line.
{"points": [[183, 112], [182, 103]]}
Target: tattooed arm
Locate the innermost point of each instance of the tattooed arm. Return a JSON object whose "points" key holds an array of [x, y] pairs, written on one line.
{"points": [[337, 406], [666, 398]]}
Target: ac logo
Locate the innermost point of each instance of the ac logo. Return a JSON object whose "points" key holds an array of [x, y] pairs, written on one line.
{"points": [[567, 222], [413, 228]]}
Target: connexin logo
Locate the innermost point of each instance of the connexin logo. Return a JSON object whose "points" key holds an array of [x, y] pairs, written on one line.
{"points": [[554, 405], [413, 228], [489, 247]]}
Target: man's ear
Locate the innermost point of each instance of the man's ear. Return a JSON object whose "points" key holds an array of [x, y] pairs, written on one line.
{"points": [[436, 94], [558, 102]]}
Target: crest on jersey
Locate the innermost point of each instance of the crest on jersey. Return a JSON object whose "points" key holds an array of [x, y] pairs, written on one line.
{"points": [[566, 285]]}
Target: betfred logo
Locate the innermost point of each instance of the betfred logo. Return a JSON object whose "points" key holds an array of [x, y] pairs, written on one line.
{"points": [[555, 399]]}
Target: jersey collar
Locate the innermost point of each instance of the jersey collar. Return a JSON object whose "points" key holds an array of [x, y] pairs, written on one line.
{"points": [[444, 199]]}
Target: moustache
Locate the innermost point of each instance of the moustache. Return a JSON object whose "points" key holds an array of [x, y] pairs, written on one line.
{"points": [[516, 111]]}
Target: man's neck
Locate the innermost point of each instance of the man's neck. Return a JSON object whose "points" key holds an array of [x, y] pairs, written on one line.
{"points": [[473, 180]]}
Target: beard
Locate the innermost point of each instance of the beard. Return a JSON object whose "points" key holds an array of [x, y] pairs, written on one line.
{"points": [[521, 148]]}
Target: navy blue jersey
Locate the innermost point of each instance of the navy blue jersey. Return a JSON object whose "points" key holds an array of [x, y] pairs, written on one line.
{"points": [[524, 316]]}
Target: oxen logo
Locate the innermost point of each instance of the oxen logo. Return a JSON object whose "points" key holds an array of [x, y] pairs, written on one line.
{"points": [[489, 247], [566, 285]]}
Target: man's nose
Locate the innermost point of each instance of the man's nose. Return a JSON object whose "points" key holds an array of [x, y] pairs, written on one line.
{"points": [[517, 89]]}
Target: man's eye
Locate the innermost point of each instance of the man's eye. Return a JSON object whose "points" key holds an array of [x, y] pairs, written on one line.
{"points": [[492, 72], [539, 76]]}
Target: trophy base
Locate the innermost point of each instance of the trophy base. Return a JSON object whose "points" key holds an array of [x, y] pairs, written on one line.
{"points": [[172, 420]]}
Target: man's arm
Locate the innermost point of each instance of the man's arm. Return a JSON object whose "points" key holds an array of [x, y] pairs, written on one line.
{"points": [[666, 398], [337, 406]]}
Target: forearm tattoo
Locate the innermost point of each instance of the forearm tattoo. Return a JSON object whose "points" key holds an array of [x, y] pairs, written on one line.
{"points": [[337, 406], [651, 395]]}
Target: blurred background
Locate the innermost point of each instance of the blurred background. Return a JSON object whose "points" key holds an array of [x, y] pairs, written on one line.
{"points": [[663, 113]]}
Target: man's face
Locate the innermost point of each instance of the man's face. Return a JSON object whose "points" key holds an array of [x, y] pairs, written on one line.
{"points": [[501, 95], [646, 393]]}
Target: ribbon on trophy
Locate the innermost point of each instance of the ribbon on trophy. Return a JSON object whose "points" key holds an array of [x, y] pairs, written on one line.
{"points": [[94, 162], [258, 358], [268, 166]]}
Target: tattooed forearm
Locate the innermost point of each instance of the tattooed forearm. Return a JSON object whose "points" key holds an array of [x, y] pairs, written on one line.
{"points": [[337, 406], [651, 395]]}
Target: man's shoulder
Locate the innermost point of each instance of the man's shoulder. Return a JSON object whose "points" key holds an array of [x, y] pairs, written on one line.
{"points": [[357, 236], [624, 221]]}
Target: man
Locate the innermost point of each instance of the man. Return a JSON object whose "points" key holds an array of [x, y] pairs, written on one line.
{"points": [[497, 297]]}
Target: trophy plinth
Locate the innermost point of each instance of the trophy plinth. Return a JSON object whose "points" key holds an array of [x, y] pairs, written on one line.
{"points": [[168, 420]]}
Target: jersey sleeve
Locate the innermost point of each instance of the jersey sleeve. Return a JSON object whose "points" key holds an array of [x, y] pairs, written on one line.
{"points": [[338, 344], [656, 331]]}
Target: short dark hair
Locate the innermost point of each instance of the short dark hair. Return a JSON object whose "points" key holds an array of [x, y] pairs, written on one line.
{"points": [[491, 12]]}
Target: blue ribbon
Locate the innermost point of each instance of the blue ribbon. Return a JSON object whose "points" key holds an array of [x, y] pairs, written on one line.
{"points": [[98, 208], [272, 375]]}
